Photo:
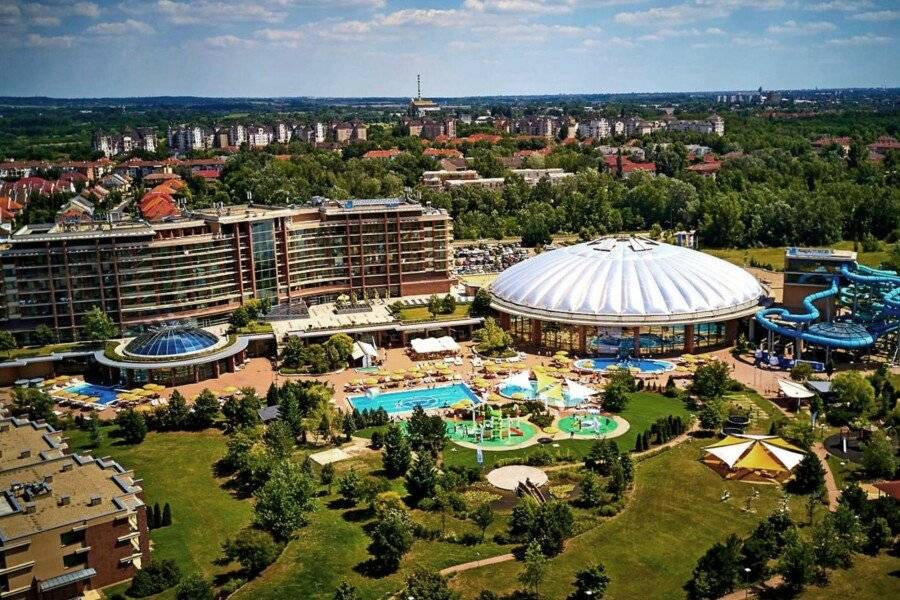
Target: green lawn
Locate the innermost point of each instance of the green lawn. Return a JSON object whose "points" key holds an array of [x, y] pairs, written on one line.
{"points": [[870, 578], [651, 547], [420, 313], [643, 409], [178, 468], [329, 549], [30, 351], [481, 279], [775, 256], [255, 327]]}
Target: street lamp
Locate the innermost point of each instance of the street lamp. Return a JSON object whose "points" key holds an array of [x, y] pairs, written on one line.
{"points": [[746, 582]]}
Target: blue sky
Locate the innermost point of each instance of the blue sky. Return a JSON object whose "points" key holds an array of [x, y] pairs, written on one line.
{"points": [[75, 48]]}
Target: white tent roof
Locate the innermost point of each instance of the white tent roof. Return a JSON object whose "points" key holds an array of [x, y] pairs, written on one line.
{"points": [[787, 457], [730, 454], [795, 390], [522, 379], [624, 280], [361, 349], [433, 345], [577, 390]]}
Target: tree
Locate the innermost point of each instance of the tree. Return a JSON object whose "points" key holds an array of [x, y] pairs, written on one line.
{"points": [[43, 335], [253, 549], [426, 432], [809, 476], [176, 412], [284, 500], [423, 584], [96, 433], [348, 426], [349, 486], [194, 587], [132, 426], [36, 404], [391, 539], [97, 326], [166, 516], [155, 577], [717, 573], [615, 397], [435, 306], [481, 304], [534, 568], [240, 411], [345, 591], [326, 476], [448, 304], [421, 479], [240, 318], [854, 390], [279, 440], [338, 349], [7, 342], [878, 456], [712, 415], [801, 371], [590, 583], [711, 380], [397, 454], [591, 491], [157, 516], [491, 338], [797, 563], [206, 409], [483, 516]]}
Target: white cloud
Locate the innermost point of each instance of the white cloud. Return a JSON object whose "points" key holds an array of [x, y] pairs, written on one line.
{"points": [[841, 5], [193, 12], [877, 15], [867, 39], [693, 11], [122, 28], [422, 17], [50, 41], [796, 28], [229, 41], [86, 9], [668, 33], [754, 42], [521, 6], [46, 21]]}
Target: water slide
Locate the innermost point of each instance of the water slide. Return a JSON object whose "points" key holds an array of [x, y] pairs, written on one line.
{"points": [[847, 337]]}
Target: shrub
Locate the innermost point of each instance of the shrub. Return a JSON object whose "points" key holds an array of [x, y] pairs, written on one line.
{"points": [[154, 578]]}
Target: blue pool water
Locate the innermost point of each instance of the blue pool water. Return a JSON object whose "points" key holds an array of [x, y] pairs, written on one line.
{"points": [[643, 365], [107, 394], [406, 400]]}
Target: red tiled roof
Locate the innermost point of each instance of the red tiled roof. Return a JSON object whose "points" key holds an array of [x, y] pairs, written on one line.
{"points": [[891, 488], [628, 166], [443, 152], [382, 153], [208, 173], [705, 167]]}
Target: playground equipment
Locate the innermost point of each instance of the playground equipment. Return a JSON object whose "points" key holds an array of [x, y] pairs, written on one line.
{"points": [[491, 425], [871, 296]]}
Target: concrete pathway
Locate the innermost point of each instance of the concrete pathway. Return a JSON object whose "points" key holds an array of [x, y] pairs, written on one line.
{"points": [[493, 560], [830, 485]]}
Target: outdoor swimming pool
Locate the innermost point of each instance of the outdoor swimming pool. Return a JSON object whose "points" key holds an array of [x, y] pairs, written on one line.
{"points": [[406, 400], [642, 365], [107, 395]]}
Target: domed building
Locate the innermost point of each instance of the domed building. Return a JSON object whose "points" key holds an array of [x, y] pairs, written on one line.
{"points": [[172, 354], [624, 294]]}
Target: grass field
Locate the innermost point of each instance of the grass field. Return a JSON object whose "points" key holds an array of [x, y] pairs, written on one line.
{"points": [[30, 351], [870, 578], [650, 548], [178, 468], [420, 313], [775, 256]]}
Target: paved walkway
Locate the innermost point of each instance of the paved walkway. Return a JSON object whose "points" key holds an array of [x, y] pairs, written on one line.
{"points": [[830, 485], [478, 563]]}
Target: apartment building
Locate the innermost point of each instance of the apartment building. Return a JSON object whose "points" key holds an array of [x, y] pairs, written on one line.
{"points": [[68, 523], [113, 144], [203, 265]]}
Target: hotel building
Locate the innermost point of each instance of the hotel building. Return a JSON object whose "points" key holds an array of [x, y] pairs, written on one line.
{"points": [[68, 523], [204, 265]]}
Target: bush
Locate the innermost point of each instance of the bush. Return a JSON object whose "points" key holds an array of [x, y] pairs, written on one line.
{"points": [[194, 587], [253, 549], [154, 578]]}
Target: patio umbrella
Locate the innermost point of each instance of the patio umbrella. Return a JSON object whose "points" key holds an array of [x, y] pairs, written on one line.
{"points": [[464, 403], [231, 390], [371, 381]]}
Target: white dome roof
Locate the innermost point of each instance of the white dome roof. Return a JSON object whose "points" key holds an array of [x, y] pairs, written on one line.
{"points": [[626, 281]]}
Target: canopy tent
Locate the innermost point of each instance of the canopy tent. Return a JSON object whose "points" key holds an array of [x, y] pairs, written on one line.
{"points": [[444, 344], [792, 389], [365, 352], [522, 379], [579, 391], [753, 457]]}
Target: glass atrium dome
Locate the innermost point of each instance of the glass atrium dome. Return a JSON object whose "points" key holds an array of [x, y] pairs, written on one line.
{"points": [[173, 340]]}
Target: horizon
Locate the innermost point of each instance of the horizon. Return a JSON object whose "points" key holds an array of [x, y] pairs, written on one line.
{"points": [[72, 49]]}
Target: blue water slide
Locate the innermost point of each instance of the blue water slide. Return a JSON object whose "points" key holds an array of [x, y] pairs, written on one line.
{"points": [[877, 277], [764, 316]]}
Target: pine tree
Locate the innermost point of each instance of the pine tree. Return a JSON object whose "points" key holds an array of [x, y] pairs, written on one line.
{"points": [[646, 441], [166, 516], [157, 516]]}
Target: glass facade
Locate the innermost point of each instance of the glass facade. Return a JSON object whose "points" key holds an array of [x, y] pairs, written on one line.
{"points": [[265, 269]]}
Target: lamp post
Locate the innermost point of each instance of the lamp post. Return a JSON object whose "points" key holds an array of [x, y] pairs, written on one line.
{"points": [[746, 582]]}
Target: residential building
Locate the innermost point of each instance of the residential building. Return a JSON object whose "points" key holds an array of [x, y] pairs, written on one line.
{"points": [[113, 144], [68, 523], [597, 129], [348, 132], [202, 265]]}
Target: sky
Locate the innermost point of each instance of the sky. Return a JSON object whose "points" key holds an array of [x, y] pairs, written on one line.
{"points": [[264, 48]]}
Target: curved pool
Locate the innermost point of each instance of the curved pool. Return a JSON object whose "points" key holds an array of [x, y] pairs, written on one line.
{"points": [[599, 365]]}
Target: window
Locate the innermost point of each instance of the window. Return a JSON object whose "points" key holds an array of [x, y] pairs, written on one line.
{"points": [[76, 559], [71, 537]]}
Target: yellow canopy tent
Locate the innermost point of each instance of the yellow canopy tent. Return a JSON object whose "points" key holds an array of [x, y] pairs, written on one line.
{"points": [[753, 457]]}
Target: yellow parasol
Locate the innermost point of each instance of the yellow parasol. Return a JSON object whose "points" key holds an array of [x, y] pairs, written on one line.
{"points": [[464, 403], [231, 390], [371, 381]]}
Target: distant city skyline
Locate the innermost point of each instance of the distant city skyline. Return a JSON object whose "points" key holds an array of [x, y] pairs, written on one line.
{"points": [[352, 48]]}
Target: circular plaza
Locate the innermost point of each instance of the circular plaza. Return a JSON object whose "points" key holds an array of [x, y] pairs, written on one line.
{"points": [[624, 296]]}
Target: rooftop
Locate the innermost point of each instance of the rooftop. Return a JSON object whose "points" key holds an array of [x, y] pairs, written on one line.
{"points": [[24, 442], [67, 491]]}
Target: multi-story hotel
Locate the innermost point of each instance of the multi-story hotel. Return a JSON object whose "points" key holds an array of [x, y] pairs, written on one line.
{"points": [[68, 523], [204, 265]]}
